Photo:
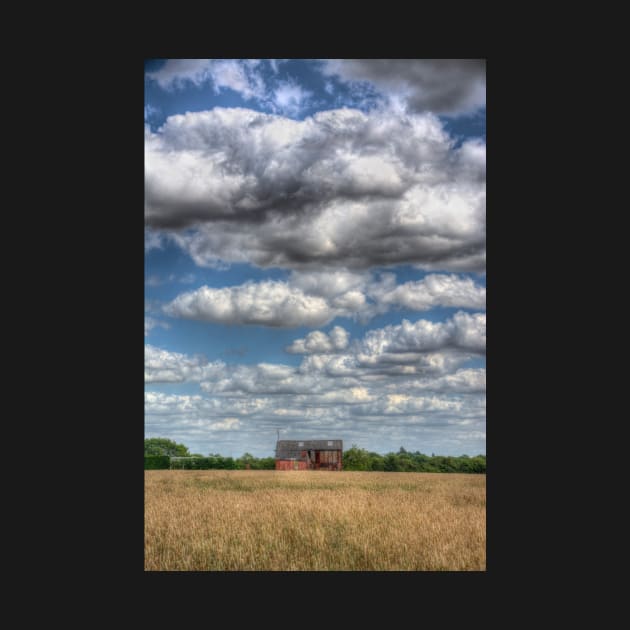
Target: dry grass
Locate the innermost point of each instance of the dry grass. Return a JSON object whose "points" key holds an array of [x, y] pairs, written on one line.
{"points": [[313, 521]]}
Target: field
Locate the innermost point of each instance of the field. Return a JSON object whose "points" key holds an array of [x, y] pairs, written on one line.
{"points": [[241, 520]]}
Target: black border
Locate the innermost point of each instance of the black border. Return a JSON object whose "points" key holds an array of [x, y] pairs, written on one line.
{"points": [[114, 193]]}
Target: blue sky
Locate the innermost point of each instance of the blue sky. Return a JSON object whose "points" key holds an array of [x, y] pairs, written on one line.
{"points": [[315, 253]]}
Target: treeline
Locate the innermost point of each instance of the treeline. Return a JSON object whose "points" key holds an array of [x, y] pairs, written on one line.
{"points": [[406, 461], [159, 451]]}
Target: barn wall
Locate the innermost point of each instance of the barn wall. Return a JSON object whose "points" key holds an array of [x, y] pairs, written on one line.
{"points": [[324, 460], [288, 464]]}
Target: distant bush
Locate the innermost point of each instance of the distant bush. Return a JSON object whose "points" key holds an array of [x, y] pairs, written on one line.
{"points": [[212, 462], [157, 462]]}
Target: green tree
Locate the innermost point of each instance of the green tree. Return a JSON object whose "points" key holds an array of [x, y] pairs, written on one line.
{"points": [[377, 462], [164, 446], [390, 463], [356, 458]]}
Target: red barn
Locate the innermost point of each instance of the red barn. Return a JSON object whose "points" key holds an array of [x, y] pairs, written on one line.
{"points": [[309, 454]]}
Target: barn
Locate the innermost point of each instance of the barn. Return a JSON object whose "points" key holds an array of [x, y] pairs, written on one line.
{"points": [[309, 454]]}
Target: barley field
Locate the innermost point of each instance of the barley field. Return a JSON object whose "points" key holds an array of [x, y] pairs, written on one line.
{"points": [[263, 520]]}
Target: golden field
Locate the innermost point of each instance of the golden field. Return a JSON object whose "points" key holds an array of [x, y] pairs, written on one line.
{"points": [[265, 520]]}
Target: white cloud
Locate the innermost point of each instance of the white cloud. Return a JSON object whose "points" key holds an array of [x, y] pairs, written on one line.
{"points": [[422, 349], [330, 283], [239, 75], [436, 290], [340, 188], [315, 298], [318, 342], [162, 366], [402, 342], [268, 303]]}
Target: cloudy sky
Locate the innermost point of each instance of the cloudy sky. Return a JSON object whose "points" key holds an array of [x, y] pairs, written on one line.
{"points": [[315, 253]]}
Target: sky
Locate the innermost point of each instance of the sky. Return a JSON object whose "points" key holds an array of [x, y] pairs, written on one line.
{"points": [[315, 253]]}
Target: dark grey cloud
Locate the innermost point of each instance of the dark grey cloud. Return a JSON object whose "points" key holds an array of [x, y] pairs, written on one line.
{"points": [[339, 188], [442, 86]]}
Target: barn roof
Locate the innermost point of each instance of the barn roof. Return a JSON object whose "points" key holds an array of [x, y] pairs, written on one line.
{"points": [[288, 449]]}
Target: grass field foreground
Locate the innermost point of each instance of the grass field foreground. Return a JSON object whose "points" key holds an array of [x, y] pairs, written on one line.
{"points": [[314, 521]]}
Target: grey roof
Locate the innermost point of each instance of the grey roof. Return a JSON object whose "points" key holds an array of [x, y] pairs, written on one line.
{"points": [[290, 449]]}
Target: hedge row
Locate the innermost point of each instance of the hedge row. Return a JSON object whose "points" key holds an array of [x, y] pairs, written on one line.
{"points": [[157, 462], [163, 462]]}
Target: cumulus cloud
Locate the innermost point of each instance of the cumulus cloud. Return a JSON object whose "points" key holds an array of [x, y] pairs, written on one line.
{"points": [[436, 290], [423, 348], [411, 350], [268, 303], [402, 342], [162, 366], [316, 298], [236, 74], [400, 383], [318, 342], [442, 86], [267, 379], [340, 188]]}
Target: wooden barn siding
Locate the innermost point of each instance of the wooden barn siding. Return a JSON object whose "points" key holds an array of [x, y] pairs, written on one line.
{"points": [[324, 460], [288, 464]]}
